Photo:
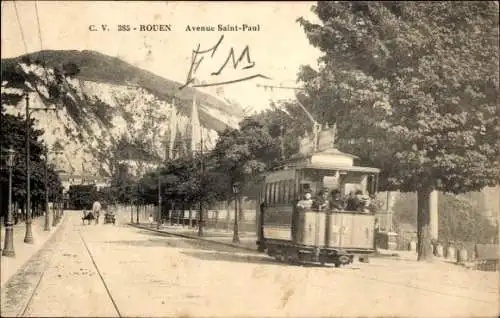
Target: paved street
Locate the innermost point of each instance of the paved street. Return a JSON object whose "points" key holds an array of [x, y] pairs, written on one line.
{"points": [[115, 270]]}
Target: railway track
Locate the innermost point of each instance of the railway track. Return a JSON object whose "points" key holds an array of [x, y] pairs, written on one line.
{"points": [[47, 257], [100, 275]]}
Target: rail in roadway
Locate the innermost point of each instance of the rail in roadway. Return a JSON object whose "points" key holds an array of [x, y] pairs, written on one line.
{"points": [[25, 294]]}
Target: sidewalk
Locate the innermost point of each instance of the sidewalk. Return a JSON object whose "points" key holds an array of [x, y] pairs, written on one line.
{"points": [[413, 256], [10, 265], [248, 241]]}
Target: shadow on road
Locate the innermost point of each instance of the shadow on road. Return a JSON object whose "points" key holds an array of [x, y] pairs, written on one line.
{"points": [[192, 243], [242, 258], [155, 239], [144, 243]]}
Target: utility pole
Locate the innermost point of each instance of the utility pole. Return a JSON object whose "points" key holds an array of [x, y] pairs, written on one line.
{"points": [[202, 178], [28, 238], [46, 205]]}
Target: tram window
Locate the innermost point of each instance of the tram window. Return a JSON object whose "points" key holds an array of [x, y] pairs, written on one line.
{"points": [[372, 184], [270, 193], [278, 192], [266, 193], [282, 191], [286, 191]]}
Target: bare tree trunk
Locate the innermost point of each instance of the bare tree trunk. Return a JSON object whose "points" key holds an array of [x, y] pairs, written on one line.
{"points": [[424, 247]]}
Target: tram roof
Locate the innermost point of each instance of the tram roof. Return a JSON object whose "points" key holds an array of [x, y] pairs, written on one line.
{"points": [[291, 168], [333, 167]]}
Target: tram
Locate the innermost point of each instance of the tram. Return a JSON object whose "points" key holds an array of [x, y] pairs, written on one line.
{"points": [[293, 232]]}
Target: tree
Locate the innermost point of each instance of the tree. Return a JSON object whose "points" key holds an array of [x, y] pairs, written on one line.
{"points": [[242, 154], [414, 89], [70, 69], [82, 196], [12, 130], [123, 186]]}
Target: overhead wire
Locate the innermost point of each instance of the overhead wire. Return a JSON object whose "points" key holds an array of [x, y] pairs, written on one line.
{"points": [[20, 28], [44, 62]]}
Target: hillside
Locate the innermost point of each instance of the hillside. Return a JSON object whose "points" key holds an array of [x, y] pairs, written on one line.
{"points": [[104, 105]]}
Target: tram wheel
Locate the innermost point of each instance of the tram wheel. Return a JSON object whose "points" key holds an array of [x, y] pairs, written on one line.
{"points": [[344, 259], [279, 257]]}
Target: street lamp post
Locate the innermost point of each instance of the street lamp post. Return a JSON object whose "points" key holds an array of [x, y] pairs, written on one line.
{"points": [[236, 190], [8, 249]]}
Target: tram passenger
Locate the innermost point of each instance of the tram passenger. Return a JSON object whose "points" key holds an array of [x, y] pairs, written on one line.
{"points": [[351, 204], [305, 203], [375, 205], [363, 202], [321, 202], [336, 203]]}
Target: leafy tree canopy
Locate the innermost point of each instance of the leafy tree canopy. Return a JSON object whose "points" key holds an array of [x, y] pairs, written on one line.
{"points": [[243, 154], [12, 130], [413, 88]]}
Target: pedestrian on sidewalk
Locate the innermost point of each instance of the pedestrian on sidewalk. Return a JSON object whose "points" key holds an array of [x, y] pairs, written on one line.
{"points": [[96, 209], [151, 220]]}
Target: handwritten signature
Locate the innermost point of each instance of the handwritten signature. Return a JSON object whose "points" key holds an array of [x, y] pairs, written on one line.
{"points": [[198, 56]]}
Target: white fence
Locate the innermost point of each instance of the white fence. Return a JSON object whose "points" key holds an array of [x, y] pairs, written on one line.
{"points": [[221, 218]]}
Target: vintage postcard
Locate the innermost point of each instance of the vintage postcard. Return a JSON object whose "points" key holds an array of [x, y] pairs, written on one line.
{"points": [[249, 159]]}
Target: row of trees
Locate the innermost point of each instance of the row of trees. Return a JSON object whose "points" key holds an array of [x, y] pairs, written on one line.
{"points": [[12, 130], [238, 158]]}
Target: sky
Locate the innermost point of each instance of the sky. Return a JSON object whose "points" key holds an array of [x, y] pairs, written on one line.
{"points": [[277, 49]]}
